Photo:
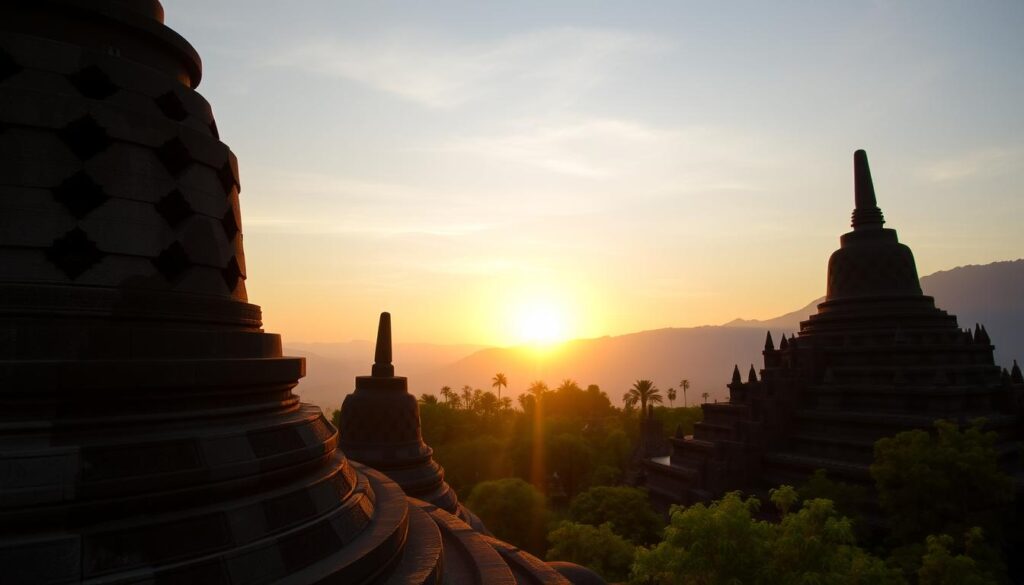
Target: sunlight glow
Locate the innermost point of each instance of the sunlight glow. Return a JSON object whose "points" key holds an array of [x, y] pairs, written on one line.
{"points": [[540, 323]]}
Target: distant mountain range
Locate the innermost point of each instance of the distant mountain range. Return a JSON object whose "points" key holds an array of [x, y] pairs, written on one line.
{"points": [[990, 294]]}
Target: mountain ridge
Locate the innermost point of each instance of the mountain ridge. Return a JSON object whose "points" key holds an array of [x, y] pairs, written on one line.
{"points": [[976, 293]]}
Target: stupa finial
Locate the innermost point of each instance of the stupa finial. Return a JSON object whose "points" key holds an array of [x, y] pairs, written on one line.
{"points": [[866, 214], [382, 358]]}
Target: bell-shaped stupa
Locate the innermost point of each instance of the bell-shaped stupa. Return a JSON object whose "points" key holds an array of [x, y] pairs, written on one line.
{"points": [[380, 427], [149, 432]]}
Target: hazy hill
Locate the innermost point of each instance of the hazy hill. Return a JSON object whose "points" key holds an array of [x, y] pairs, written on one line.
{"points": [[990, 294]]}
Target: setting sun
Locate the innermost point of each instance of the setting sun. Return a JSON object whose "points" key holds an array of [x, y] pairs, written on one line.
{"points": [[540, 323]]}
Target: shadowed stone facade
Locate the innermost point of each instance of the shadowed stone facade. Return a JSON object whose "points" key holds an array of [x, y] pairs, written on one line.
{"points": [[149, 432], [876, 359]]}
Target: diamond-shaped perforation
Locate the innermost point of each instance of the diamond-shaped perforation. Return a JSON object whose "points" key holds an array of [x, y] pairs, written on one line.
{"points": [[8, 66], [174, 155], [93, 83], [227, 177], [172, 262], [230, 224], [85, 137], [80, 194], [231, 273], [170, 104], [74, 253], [174, 208]]}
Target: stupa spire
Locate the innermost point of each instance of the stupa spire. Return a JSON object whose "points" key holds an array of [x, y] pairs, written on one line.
{"points": [[382, 367], [866, 214]]}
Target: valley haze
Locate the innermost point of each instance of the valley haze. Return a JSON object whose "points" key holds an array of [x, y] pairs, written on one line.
{"points": [[988, 294]]}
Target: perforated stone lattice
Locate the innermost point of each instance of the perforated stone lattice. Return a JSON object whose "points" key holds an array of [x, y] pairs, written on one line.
{"points": [[74, 253], [93, 83], [227, 177], [174, 155], [174, 208], [230, 224], [172, 262], [80, 194], [232, 273], [170, 104], [85, 137]]}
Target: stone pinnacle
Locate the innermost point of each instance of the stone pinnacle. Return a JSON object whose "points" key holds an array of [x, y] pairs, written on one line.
{"points": [[382, 367]]}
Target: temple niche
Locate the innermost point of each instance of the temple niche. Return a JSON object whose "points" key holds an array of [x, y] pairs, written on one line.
{"points": [[149, 432], [876, 359]]}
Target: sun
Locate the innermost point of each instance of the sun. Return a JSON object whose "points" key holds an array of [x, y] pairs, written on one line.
{"points": [[540, 323]]}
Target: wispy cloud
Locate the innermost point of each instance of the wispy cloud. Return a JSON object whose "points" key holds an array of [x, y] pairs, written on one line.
{"points": [[988, 161], [441, 73], [692, 158]]}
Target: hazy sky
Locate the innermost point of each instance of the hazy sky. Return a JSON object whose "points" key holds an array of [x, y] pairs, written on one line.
{"points": [[628, 165]]}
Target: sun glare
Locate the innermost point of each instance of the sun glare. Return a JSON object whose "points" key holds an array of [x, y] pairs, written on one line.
{"points": [[541, 324]]}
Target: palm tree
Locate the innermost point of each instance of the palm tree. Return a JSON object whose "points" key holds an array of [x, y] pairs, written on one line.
{"points": [[505, 403], [428, 398], [467, 397], [705, 395], [671, 393], [448, 395], [538, 389], [685, 385], [643, 391], [499, 381]]}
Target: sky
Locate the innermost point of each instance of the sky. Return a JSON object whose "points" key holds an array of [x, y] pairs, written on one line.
{"points": [[492, 173]]}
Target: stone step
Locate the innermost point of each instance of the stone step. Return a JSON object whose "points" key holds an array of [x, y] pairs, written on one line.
{"points": [[423, 555], [468, 558], [526, 568]]}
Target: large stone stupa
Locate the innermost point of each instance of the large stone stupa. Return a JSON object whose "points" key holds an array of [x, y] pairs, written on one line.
{"points": [[149, 432], [877, 358]]}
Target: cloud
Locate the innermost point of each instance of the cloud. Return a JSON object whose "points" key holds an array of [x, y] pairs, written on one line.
{"points": [[678, 159], [439, 73], [988, 161]]}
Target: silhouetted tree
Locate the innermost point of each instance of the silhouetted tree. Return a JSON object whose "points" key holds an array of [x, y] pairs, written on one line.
{"points": [[671, 393], [705, 397], [642, 392], [428, 398], [685, 385], [499, 381], [449, 395]]}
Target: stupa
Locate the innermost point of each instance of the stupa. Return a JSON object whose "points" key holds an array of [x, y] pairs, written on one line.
{"points": [[380, 427], [149, 432], [876, 359]]}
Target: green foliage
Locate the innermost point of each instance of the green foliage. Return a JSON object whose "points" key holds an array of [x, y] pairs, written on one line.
{"points": [[570, 457], [849, 499], [512, 510], [783, 497], [944, 483], [723, 543], [595, 547], [471, 461], [940, 566], [626, 509]]}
